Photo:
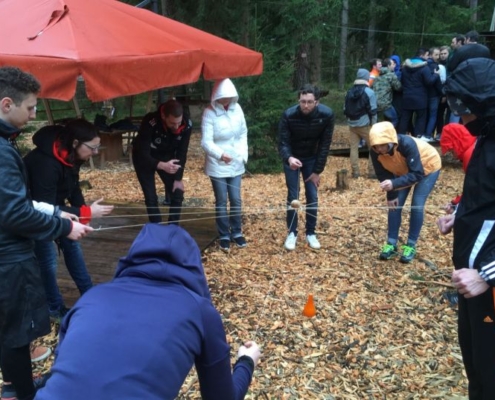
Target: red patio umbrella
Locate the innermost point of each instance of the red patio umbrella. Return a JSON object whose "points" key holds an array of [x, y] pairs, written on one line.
{"points": [[118, 49]]}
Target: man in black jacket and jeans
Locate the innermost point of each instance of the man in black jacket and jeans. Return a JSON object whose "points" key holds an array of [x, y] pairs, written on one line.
{"points": [[305, 134], [23, 309], [161, 146]]}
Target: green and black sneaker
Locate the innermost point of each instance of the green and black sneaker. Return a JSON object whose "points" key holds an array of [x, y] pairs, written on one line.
{"points": [[388, 251], [408, 253]]}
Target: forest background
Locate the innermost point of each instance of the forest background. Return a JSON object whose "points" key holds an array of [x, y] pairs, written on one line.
{"points": [[322, 42]]}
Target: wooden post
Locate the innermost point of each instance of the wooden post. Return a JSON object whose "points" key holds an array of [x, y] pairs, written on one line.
{"points": [[342, 180]]}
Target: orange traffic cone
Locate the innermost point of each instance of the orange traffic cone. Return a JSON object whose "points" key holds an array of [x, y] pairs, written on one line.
{"points": [[309, 309]]}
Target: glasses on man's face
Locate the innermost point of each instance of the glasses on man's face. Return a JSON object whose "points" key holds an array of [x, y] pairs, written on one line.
{"points": [[307, 102], [94, 149]]}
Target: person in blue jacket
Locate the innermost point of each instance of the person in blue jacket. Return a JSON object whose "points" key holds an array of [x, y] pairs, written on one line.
{"points": [[138, 336]]}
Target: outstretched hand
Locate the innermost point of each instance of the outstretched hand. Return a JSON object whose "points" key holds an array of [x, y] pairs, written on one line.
{"points": [[99, 210]]}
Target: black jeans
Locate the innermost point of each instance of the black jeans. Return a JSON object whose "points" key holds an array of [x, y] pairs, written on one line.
{"points": [[419, 123], [16, 368], [477, 339], [146, 178]]}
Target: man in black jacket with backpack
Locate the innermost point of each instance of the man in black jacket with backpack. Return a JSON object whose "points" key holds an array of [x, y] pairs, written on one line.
{"points": [[360, 109]]}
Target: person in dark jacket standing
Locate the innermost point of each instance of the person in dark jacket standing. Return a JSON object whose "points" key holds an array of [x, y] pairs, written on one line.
{"points": [[138, 336], [23, 309], [304, 137], [470, 91], [416, 78], [53, 172], [161, 146]]}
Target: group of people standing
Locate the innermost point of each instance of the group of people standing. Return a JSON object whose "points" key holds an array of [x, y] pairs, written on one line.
{"points": [[41, 202]]}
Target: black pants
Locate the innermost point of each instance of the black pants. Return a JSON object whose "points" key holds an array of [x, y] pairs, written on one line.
{"points": [[16, 368], [146, 178], [419, 123], [442, 110], [477, 339]]}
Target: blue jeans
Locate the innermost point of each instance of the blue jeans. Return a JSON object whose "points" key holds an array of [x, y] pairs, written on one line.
{"points": [[46, 253], [292, 180], [433, 103], [391, 115], [422, 190], [229, 224]]}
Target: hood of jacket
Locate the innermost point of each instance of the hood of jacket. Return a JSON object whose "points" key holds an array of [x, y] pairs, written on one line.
{"points": [[456, 138], [396, 58], [8, 131], [222, 89], [45, 137], [414, 63], [165, 253], [383, 133]]}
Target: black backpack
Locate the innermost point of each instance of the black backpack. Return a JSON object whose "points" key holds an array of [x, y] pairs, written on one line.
{"points": [[356, 103]]}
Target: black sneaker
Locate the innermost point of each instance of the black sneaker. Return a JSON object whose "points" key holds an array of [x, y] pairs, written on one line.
{"points": [[240, 242], [388, 251], [225, 245]]}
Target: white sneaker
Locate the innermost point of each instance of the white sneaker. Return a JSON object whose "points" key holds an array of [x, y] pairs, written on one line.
{"points": [[290, 242], [427, 139], [313, 242]]}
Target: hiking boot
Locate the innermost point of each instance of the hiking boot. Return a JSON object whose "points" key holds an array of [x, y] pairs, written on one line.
{"points": [[313, 242], [355, 175], [388, 251], [39, 353], [57, 315], [8, 392], [240, 242], [408, 253], [290, 242], [225, 245]]}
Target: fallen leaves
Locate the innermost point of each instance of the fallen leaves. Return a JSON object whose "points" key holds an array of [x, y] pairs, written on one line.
{"points": [[377, 333]]}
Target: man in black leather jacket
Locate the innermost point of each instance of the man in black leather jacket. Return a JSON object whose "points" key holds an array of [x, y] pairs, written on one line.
{"points": [[23, 308], [305, 134]]}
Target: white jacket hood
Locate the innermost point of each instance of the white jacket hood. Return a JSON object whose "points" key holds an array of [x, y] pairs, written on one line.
{"points": [[222, 89]]}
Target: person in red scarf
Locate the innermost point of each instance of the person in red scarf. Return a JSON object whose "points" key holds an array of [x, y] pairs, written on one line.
{"points": [[53, 171], [457, 139], [161, 147]]}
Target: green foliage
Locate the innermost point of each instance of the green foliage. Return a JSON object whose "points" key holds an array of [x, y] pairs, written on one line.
{"points": [[263, 99]]}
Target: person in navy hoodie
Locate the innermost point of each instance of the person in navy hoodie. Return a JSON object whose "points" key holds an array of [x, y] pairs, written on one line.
{"points": [[138, 336]]}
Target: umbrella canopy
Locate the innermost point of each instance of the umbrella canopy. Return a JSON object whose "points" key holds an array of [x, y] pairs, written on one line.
{"points": [[118, 49]]}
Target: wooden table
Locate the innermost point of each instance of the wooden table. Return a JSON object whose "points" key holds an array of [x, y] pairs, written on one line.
{"points": [[112, 141]]}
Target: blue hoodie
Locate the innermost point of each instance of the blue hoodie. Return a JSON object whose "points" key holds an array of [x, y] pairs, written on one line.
{"points": [[138, 336]]}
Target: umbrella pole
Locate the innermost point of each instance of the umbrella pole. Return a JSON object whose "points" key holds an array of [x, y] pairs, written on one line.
{"points": [[48, 110]]}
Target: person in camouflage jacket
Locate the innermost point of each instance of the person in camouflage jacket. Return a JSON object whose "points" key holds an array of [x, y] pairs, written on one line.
{"points": [[384, 86]]}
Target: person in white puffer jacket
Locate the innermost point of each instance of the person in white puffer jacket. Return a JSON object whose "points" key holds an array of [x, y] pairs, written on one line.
{"points": [[224, 139]]}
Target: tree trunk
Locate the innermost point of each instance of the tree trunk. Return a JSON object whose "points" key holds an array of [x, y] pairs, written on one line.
{"points": [[315, 62], [302, 66], [343, 42], [473, 5], [245, 22], [371, 31], [342, 180], [164, 7]]}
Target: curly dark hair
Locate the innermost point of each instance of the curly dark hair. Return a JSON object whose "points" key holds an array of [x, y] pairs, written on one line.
{"points": [[17, 84]]}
